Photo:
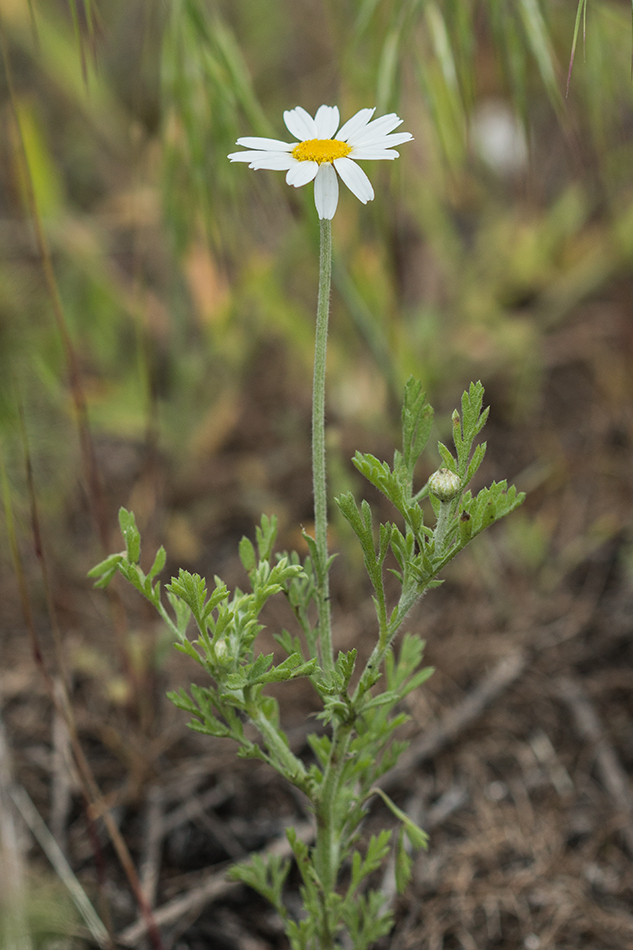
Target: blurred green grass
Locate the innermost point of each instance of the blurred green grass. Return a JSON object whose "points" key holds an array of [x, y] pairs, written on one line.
{"points": [[173, 266]]}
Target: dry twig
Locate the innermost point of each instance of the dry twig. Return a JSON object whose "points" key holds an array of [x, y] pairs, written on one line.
{"points": [[149, 870], [589, 728], [40, 832], [215, 886], [456, 720], [64, 775]]}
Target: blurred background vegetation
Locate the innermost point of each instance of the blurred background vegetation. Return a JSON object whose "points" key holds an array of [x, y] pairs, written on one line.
{"points": [[157, 304], [175, 269]]}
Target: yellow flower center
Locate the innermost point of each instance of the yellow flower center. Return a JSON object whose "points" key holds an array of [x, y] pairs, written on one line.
{"points": [[320, 150]]}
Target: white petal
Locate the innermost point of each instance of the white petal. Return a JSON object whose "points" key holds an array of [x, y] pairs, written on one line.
{"points": [[277, 161], [269, 145], [355, 179], [376, 129], [327, 121], [301, 173], [326, 191], [355, 124], [300, 123], [369, 153], [242, 156], [386, 141], [263, 159]]}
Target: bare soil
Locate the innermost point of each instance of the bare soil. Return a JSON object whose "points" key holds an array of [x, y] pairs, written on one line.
{"points": [[522, 740]]}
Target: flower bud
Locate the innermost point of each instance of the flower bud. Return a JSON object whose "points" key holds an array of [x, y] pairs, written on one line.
{"points": [[444, 484]]}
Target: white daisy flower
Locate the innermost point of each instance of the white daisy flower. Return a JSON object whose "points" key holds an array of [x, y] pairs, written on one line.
{"points": [[321, 152]]}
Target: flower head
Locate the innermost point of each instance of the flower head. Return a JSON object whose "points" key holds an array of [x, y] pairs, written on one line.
{"points": [[321, 152], [444, 484]]}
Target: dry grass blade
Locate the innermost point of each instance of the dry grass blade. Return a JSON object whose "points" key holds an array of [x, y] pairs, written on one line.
{"points": [[61, 703], [63, 778], [40, 832], [212, 888], [12, 867], [153, 837], [506, 672]]}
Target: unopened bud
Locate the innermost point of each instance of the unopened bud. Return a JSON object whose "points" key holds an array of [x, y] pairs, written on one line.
{"points": [[444, 484]]}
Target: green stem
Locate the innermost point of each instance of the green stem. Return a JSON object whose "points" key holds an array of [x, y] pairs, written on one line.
{"points": [[282, 757], [444, 520], [319, 480], [327, 850], [387, 635]]}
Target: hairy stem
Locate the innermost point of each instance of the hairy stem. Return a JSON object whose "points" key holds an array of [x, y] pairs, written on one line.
{"points": [[319, 480], [443, 525], [281, 756], [327, 851]]}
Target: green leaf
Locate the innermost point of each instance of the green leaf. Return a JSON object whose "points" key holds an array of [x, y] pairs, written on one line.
{"points": [[472, 401], [321, 746], [417, 421], [388, 698], [247, 554], [218, 596], [182, 611], [192, 589], [291, 668], [250, 674], [366, 920], [105, 570], [491, 504], [266, 535], [345, 663], [404, 865], [418, 679], [270, 708], [288, 643], [314, 555], [180, 699], [159, 563], [447, 457], [200, 706], [301, 852], [475, 462], [210, 726], [131, 535], [188, 648], [417, 837], [266, 875], [362, 867]]}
